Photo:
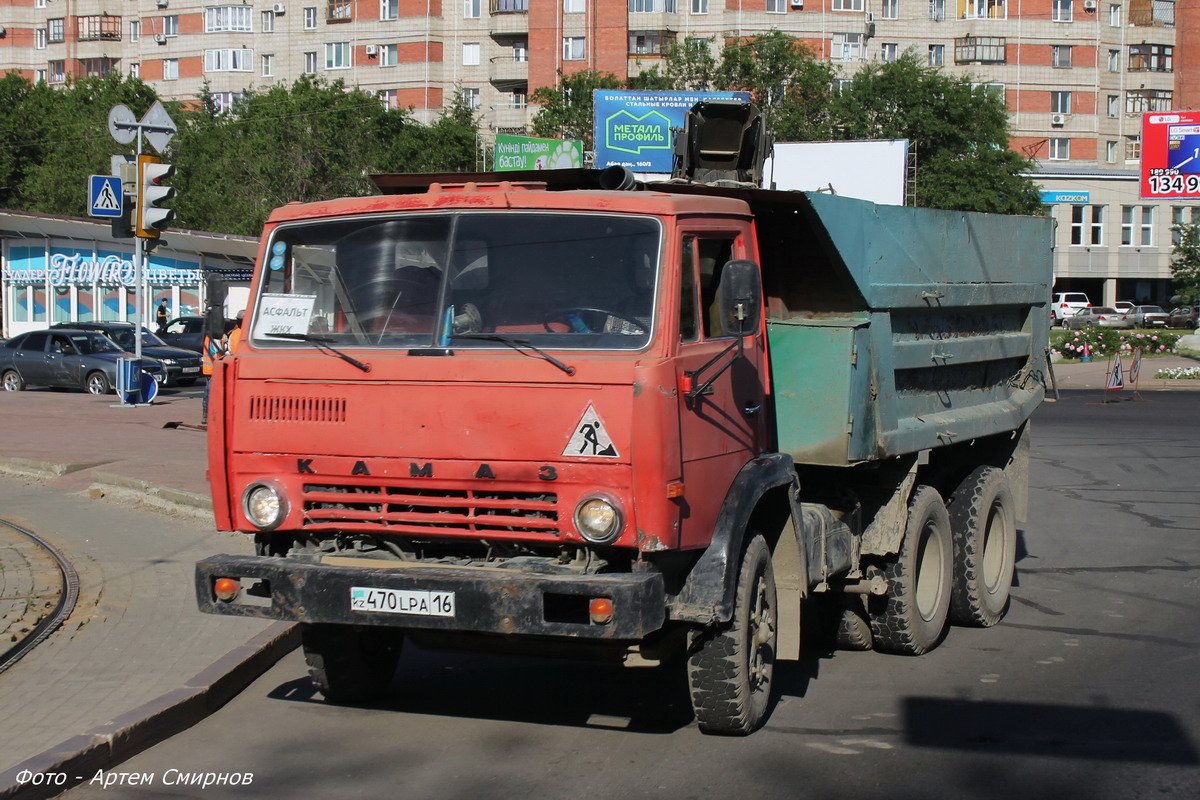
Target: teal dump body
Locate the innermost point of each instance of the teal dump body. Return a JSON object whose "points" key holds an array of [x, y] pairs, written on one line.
{"points": [[894, 330]]}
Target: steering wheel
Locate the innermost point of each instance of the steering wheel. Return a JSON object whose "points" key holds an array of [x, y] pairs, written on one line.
{"points": [[563, 313]]}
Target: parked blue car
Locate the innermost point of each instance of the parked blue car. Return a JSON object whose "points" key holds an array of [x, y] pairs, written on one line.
{"points": [[73, 359]]}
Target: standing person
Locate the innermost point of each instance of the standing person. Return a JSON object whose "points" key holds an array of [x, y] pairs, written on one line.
{"points": [[212, 349], [161, 316]]}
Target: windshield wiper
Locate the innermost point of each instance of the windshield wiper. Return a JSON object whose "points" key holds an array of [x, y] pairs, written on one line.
{"points": [[322, 344], [516, 344]]}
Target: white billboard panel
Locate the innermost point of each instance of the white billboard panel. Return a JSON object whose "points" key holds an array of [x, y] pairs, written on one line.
{"points": [[871, 170]]}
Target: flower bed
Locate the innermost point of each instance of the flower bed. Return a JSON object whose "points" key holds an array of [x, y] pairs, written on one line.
{"points": [[1102, 342], [1179, 373]]}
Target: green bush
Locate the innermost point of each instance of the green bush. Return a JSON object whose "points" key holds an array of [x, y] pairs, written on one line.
{"points": [[1102, 342]]}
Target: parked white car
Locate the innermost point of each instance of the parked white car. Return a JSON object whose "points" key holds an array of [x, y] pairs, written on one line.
{"points": [[1067, 304]]}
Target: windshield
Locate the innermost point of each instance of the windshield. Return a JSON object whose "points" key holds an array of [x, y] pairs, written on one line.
{"points": [[560, 281], [124, 337]]}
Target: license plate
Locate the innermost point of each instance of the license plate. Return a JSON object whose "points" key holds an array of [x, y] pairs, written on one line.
{"points": [[402, 601], [190, 369]]}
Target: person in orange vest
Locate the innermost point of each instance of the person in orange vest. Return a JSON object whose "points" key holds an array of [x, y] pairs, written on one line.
{"points": [[235, 336], [211, 350]]}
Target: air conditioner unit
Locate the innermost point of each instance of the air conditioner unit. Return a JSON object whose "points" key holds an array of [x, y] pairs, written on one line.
{"points": [[160, 38], [278, 9], [3, 31], [797, 3], [1089, 5], [372, 50], [160, 3], [1058, 120]]}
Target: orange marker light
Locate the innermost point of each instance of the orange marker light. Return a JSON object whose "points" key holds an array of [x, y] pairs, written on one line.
{"points": [[601, 610], [226, 588], [674, 489], [686, 384]]}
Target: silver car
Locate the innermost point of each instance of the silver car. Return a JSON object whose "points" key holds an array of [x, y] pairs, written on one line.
{"points": [[1098, 317], [72, 359], [1150, 317]]}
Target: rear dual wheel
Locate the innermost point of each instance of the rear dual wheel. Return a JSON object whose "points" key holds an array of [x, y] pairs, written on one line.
{"points": [[985, 541]]}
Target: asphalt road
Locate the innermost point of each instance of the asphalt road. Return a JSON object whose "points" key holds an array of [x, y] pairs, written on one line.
{"points": [[1086, 690]]}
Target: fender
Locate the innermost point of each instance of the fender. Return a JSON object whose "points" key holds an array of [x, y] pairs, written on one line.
{"points": [[708, 592]]}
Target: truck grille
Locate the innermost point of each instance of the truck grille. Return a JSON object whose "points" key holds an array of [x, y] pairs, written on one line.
{"points": [[425, 511], [297, 409]]}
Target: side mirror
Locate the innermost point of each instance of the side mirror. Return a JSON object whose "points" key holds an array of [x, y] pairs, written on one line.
{"points": [[741, 297]]}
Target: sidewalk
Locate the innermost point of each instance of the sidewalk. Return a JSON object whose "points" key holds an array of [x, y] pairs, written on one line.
{"points": [[1095, 375]]}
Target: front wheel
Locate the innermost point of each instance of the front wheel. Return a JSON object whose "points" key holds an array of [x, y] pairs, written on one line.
{"points": [[985, 543], [730, 667], [914, 610], [350, 665], [97, 383], [13, 382]]}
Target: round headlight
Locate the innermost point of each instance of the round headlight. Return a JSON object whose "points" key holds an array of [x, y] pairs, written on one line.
{"points": [[264, 506], [598, 520]]}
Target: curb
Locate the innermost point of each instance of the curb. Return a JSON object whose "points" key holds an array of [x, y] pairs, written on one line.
{"points": [[42, 470], [77, 759], [144, 493]]}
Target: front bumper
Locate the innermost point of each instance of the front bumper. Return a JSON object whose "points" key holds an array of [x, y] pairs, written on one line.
{"points": [[486, 600]]}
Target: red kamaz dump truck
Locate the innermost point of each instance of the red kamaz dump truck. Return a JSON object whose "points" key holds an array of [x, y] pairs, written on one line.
{"points": [[628, 423]]}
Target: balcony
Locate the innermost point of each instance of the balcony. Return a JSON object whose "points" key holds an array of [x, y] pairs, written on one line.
{"points": [[509, 115], [508, 16], [1152, 13], [507, 71], [99, 28], [980, 50]]}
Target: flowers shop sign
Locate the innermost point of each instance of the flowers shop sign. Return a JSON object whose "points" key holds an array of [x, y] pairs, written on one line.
{"points": [[111, 270]]}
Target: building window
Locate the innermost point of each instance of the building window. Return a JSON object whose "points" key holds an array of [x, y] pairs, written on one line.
{"points": [[337, 55], [223, 102], [97, 67], [310, 62], [1060, 149], [135, 30], [847, 5], [1114, 16], [1063, 11], [472, 9], [389, 98], [310, 18], [470, 98], [937, 9], [1178, 218], [267, 65], [649, 43], [1137, 226], [1087, 225], [890, 9], [220, 19], [651, 6], [39, 37], [520, 51], [58, 71], [985, 9], [39, 3], [339, 11], [267, 22], [1140, 101], [389, 55], [980, 50], [1110, 152], [135, 70], [1133, 147], [888, 52], [56, 30], [574, 6], [170, 25], [776, 6], [170, 69], [1060, 102], [39, 76], [937, 55], [389, 9], [229, 60], [470, 54], [574, 48], [846, 47], [699, 6], [99, 27], [1114, 60], [994, 90], [1060, 56], [1150, 57]]}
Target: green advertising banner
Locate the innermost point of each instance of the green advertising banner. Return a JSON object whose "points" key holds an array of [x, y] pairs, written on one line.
{"points": [[524, 152]]}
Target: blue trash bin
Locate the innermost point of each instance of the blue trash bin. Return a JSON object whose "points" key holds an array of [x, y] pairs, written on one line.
{"points": [[129, 374]]}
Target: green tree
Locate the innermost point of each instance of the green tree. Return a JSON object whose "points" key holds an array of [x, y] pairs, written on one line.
{"points": [[958, 133], [448, 145], [566, 110], [1185, 266]]}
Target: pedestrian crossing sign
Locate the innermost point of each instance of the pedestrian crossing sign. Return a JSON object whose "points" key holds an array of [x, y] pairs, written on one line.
{"points": [[104, 196]]}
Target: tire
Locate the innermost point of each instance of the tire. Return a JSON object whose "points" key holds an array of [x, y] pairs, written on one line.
{"points": [[911, 618], [731, 667], [186, 382], [983, 523], [350, 665], [842, 621], [12, 381], [97, 383]]}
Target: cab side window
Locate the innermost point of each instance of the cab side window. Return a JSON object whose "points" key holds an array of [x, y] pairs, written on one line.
{"points": [[702, 261]]}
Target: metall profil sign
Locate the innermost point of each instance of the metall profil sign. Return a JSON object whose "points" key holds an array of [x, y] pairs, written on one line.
{"points": [[1171, 155], [633, 129]]}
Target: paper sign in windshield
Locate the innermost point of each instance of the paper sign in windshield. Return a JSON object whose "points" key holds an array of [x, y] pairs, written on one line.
{"points": [[283, 313]]}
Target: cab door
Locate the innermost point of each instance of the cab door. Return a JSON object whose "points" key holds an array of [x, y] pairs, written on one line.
{"points": [[722, 427]]}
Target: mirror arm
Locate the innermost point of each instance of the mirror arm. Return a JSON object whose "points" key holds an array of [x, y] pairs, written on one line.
{"points": [[702, 388]]}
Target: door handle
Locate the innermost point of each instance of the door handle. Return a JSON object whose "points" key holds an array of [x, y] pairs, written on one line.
{"points": [[750, 411]]}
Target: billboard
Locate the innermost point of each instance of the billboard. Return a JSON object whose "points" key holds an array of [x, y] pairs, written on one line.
{"points": [[869, 170], [1171, 155], [525, 152], [633, 129]]}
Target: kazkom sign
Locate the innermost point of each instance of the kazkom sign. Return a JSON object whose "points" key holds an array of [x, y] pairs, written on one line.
{"points": [[1171, 155]]}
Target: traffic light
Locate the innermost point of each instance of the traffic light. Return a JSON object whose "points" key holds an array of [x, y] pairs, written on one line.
{"points": [[151, 217]]}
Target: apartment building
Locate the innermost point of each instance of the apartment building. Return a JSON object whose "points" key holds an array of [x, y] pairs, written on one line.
{"points": [[1075, 74]]}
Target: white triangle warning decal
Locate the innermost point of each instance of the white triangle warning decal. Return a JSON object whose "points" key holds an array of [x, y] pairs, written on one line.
{"points": [[590, 438]]}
